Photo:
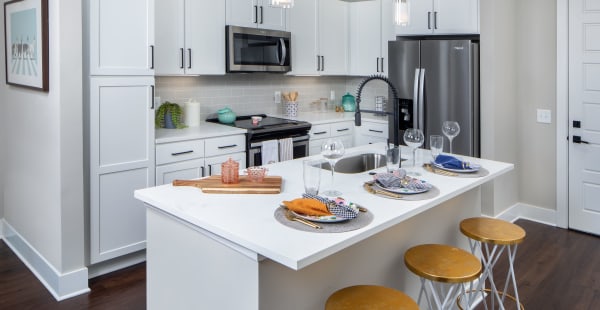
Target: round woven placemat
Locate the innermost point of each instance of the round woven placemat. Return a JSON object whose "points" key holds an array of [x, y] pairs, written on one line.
{"points": [[432, 193], [363, 219]]}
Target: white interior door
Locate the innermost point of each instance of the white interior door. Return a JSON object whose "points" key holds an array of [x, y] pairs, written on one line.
{"points": [[584, 107]]}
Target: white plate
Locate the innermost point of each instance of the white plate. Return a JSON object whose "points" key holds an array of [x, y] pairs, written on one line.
{"points": [[322, 218], [401, 190], [474, 168]]}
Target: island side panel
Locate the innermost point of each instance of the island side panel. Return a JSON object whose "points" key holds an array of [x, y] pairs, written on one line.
{"points": [[188, 270], [376, 260]]}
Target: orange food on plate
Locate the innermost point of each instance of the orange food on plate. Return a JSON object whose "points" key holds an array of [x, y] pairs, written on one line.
{"points": [[307, 206]]}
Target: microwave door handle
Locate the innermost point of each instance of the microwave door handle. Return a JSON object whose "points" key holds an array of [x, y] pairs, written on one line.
{"points": [[283, 52]]}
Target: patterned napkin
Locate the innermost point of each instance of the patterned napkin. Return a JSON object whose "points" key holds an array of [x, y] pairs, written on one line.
{"points": [[391, 180], [339, 206]]}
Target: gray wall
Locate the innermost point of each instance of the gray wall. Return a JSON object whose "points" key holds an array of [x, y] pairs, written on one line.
{"points": [[42, 155]]}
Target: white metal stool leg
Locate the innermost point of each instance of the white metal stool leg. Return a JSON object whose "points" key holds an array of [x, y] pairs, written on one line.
{"points": [[443, 295]]}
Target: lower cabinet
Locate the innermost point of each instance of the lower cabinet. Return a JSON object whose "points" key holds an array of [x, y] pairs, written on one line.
{"points": [[212, 165], [185, 170], [320, 133], [371, 132]]}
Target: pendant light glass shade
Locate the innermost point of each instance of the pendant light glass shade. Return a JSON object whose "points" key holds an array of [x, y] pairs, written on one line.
{"points": [[286, 4], [401, 12]]}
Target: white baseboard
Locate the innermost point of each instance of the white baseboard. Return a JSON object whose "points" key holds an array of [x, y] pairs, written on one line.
{"points": [[529, 212], [116, 264], [60, 285]]}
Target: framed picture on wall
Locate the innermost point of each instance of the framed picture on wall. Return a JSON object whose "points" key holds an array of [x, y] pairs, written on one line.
{"points": [[26, 41]]}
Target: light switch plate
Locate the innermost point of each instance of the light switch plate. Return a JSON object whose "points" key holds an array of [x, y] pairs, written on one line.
{"points": [[277, 97], [544, 116]]}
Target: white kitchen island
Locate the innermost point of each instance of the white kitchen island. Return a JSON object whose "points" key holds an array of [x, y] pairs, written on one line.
{"points": [[219, 251]]}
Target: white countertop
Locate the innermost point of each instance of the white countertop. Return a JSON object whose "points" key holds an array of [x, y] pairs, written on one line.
{"points": [[205, 130], [248, 220], [211, 130]]}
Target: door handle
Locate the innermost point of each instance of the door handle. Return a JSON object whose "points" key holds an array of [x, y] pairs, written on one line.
{"points": [[322, 63], [421, 115], [577, 139], [416, 96], [189, 58], [283, 52], [151, 56], [261, 14], [182, 58], [377, 64], [428, 20], [435, 26], [256, 14], [318, 63], [382, 70]]}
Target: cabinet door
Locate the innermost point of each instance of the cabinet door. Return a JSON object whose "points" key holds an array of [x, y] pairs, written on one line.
{"points": [[121, 161], [303, 26], [333, 37], [169, 51], [271, 17], [212, 165], [185, 170], [365, 38], [121, 37], [387, 32], [242, 13], [420, 19], [456, 16], [204, 37]]}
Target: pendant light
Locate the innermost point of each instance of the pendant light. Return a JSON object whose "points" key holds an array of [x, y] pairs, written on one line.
{"points": [[286, 4], [401, 12]]}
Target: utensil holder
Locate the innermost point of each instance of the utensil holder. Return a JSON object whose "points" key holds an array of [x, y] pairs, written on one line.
{"points": [[290, 108]]}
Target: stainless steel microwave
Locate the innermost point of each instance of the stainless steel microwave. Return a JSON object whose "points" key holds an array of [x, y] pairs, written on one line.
{"points": [[257, 50]]}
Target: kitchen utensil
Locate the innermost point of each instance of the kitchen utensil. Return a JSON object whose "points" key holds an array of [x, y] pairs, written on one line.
{"points": [[213, 185], [290, 216]]}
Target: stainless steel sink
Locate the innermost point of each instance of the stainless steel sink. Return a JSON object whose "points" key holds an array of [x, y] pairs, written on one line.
{"points": [[358, 163]]}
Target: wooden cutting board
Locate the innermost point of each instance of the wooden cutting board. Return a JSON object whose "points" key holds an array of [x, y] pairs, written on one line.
{"points": [[213, 185]]}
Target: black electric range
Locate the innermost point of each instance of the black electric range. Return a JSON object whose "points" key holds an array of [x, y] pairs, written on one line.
{"points": [[271, 128]]}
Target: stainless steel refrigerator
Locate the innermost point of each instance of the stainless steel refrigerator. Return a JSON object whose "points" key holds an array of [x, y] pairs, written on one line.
{"points": [[438, 80]]}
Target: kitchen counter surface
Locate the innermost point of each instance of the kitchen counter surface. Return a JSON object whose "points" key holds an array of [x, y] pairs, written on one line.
{"points": [[247, 221], [205, 130]]}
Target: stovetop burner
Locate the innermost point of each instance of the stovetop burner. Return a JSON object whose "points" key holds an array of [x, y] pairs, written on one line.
{"points": [[268, 124]]}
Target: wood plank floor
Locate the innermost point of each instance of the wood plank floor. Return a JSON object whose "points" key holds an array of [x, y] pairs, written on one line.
{"points": [[555, 268]]}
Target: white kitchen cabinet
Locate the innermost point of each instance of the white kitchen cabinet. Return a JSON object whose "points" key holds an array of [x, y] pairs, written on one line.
{"points": [[190, 37], [371, 132], [255, 13], [441, 17], [185, 170], [320, 37], [212, 165], [321, 132], [371, 27], [122, 159], [121, 37], [179, 160]]}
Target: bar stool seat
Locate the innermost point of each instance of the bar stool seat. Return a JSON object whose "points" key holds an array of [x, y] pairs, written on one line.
{"points": [[373, 297], [490, 237], [442, 269]]}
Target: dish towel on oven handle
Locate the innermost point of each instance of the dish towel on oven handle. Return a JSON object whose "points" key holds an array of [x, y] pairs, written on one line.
{"points": [[286, 149], [269, 152]]}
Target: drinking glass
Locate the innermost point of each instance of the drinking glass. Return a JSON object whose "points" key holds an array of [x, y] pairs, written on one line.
{"points": [[333, 149], [414, 138], [392, 157], [312, 176], [436, 145], [451, 129]]}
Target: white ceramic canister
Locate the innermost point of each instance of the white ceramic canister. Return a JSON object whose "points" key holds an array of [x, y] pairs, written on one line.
{"points": [[191, 113]]}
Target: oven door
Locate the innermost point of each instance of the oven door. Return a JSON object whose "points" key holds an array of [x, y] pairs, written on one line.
{"points": [[300, 149]]}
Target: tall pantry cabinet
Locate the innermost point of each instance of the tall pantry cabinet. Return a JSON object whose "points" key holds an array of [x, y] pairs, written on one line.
{"points": [[119, 86]]}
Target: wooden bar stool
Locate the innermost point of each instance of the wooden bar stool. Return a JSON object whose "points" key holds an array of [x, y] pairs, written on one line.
{"points": [[490, 237], [444, 270], [372, 297]]}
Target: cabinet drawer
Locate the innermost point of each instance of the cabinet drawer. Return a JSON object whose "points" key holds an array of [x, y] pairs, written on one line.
{"points": [[178, 151], [342, 129], [374, 129], [225, 145], [320, 131]]}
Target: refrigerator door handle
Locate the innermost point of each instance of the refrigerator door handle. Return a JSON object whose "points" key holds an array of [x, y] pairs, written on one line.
{"points": [[416, 97], [421, 107]]}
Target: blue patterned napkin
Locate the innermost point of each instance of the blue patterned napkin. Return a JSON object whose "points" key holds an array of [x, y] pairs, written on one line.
{"points": [[339, 207], [452, 162]]}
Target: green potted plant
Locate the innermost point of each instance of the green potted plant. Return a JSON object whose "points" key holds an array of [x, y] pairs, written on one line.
{"points": [[169, 115]]}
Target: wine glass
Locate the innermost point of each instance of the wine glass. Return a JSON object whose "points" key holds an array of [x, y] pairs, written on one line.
{"points": [[332, 149], [414, 138], [451, 129]]}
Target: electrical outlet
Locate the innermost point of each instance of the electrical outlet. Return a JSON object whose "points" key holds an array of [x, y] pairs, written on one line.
{"points": [[277, 97], [544, 116]]}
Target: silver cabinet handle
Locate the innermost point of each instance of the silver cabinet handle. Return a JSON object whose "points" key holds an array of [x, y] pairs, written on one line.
{"points": [[182, 153]]}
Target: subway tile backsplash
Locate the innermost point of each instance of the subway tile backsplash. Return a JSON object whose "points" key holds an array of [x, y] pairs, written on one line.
{"points": [[253, 93]]}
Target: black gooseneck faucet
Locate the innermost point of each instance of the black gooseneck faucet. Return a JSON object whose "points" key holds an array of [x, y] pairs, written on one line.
{"points": [[396, 102]]}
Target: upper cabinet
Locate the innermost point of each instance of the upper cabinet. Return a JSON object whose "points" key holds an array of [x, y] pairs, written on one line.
{"points": [[255, 13], [319, 37], [121, 37], [371, 27], [190, 37], [441, 17]]}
